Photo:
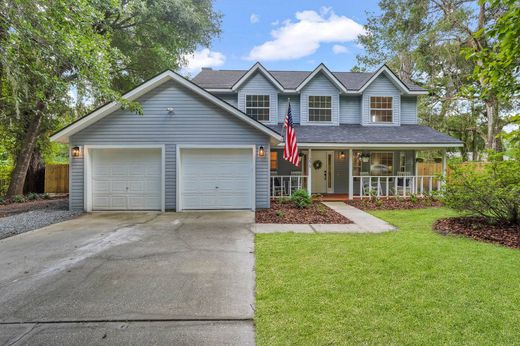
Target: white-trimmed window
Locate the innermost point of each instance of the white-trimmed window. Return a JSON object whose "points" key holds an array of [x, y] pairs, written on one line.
{"points": [[381, 163], [381, 110], [257, 107], [320, 108]]}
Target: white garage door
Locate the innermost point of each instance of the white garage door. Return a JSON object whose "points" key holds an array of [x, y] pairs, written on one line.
{"points": [[126, 179], [216, 179]]}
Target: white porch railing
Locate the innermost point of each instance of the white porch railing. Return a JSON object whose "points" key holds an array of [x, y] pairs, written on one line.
{"points": [[395, 186], [285, 185]]}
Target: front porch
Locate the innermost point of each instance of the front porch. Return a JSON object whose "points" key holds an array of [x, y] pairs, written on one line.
{"points": [[347, 173]]}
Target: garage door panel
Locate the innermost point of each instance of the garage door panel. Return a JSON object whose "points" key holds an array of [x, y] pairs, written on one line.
{"points": [[216, 178], [126, 179]]}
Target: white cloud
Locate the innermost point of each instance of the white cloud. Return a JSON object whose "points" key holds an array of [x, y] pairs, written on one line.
{"points": [[339, 49], [254, 18], [293, 40], [203, 58]]}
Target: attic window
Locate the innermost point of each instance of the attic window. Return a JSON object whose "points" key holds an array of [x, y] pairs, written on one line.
{"points": [[381, 109], [257, 107]]}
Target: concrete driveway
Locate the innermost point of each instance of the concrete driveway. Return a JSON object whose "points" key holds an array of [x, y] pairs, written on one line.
{"points": [[130, 278]]}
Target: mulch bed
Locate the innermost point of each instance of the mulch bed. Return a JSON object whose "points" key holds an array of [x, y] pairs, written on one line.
{"points": [[288, 213], [481, 229], [17, 208], [393, 203]]}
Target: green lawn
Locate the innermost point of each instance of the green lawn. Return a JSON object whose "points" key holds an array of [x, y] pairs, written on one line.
{"points": [[408, 287]]}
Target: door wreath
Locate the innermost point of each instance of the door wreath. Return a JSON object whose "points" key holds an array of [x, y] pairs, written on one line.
{"points": [[316, 164]]}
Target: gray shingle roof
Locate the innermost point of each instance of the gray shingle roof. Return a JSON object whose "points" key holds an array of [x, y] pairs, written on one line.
{"points": [[225, 79], [358, 134]]}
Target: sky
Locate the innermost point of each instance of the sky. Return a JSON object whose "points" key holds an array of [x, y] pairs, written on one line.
{"points": [[285, 35]]}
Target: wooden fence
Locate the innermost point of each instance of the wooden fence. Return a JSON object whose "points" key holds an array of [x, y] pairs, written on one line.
{"points": [[434, 168], [57, 178]]}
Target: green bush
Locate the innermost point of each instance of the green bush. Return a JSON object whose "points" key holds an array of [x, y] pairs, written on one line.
{"points": [[491, 191], [301, 198], [18, 199], [5, 176], [31, 196]]}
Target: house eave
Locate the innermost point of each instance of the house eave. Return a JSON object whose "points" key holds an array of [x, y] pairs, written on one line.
{"points": [[387, 146]]}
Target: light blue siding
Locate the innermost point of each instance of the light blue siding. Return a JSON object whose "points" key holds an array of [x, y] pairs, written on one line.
{"points": [[282, 107], [350, 110], [229, 98], [381, 86], [195, 121], [259, 85], [319, 86], [408, 109]]}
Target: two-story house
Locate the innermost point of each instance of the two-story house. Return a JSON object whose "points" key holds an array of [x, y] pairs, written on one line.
{"points": [[216, 142]]}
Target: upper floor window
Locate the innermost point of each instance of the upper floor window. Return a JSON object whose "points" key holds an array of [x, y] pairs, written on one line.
{"points": [[381, 109], [257, 107], [320, 108]]}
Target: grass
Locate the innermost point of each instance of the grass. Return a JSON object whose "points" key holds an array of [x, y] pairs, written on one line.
{"points": [[411, 287]]}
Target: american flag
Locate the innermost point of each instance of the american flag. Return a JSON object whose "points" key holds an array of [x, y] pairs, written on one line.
{"points": [[290, 151]]}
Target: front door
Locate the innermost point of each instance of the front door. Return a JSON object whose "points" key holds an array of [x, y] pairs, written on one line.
{"points": [[322, 167]]}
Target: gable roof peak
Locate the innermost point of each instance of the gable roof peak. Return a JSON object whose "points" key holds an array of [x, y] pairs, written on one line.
{"points": [[261, 69]]}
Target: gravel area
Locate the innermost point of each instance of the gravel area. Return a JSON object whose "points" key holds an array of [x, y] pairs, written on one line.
{"points": [[34, 219]]}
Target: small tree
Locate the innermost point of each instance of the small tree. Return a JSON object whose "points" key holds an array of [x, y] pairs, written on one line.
{"points": [[492, 191]]}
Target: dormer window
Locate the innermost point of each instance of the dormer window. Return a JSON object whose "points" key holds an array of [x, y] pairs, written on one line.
{"points": [[257, 107], [381, 109], [320, 108]]}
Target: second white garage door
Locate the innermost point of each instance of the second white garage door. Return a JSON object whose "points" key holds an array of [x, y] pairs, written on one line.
{"points": [[216, 179]]}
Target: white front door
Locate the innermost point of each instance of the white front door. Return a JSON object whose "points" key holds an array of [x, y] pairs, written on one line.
{"points": [[322, 177], [216, 179], [126, 179]]}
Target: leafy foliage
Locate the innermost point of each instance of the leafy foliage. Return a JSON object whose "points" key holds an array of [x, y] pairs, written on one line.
{"points": [[492, 191], [301, 198]]}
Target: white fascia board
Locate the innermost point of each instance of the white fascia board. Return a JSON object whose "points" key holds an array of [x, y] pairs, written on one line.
{"points": [[376, 145], [394, 78], [252, 70], [63, 135], [330, 76], [229, 91]]}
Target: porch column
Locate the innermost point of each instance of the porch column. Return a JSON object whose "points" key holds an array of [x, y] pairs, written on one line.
{"points": [[309, 171], [350, 178], [444, 163]]}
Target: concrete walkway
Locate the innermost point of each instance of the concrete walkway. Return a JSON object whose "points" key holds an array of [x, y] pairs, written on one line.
{"points": [[362, 223]]}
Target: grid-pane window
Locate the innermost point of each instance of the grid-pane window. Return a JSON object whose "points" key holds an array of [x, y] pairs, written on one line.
{"points": [[381, 109], [381, 163], [320, 108], [274, 160], [257, 107]]}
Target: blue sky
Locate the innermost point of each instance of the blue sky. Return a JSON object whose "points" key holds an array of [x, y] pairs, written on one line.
{"points": [[286, 35]]}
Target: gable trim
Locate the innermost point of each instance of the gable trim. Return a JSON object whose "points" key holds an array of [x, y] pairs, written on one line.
{"points": [[98, 114], [322, 68], [393, 77], [257, 67]]}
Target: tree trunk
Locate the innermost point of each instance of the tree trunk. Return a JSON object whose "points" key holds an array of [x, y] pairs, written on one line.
{"points": [[23, 159], [491, 112], [34, 180]]}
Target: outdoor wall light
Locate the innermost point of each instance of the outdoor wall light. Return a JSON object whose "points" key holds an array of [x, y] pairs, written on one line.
{"points": [[75, 152], [261, 151], [170, 110], [365, 157], [342, 155]]}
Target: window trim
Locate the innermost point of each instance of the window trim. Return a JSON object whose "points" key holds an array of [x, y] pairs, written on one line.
{"points": [[380, 109], [268, 108], [309, 109]]}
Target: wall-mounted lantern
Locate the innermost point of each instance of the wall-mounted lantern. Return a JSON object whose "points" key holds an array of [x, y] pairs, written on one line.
{"points": [[261, 151], [170, 110], [75, 151], [342, 155], [365, 157]]}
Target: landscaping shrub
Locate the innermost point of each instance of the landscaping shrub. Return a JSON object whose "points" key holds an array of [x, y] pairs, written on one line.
{"points": [[18, 199], [5, 175], [301, 198], [492, 191]]}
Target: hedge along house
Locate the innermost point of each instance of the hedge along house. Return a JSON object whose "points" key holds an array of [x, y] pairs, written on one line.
{"points": [[214, 142], [189, 150]]}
